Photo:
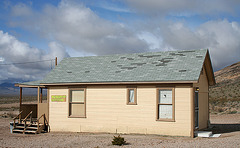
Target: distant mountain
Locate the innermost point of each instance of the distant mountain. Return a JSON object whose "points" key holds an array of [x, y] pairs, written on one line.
{"points": [[225, 95], [8, 89], [231, 73], [7, 84]]}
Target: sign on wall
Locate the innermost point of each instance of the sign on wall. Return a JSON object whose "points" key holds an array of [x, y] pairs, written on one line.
{"points": [[58, 98]]}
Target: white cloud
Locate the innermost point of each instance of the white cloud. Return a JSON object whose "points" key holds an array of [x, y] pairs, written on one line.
{"points": [[21, 9], [113, 8], [153, 41], [1, 59], [14, 51], [57, 50], [185, 7], [220, 37], [79, 28]]}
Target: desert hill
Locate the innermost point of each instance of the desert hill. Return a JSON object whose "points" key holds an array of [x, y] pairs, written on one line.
{"points": [[231, 72], [225, 95]]}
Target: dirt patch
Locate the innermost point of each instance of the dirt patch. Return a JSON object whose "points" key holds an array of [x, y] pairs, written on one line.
{"points": [[225, 119], [229, 138]]}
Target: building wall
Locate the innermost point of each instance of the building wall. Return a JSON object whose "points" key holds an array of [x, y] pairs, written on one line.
{"points": [[203, 100], [107, 111]]}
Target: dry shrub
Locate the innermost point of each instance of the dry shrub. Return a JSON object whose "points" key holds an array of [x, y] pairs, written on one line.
{"points": [[118, 140]]}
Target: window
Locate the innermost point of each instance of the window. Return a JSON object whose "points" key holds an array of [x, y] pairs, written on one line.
{"points": [[132, 96], [165, 104], [77, 102]]}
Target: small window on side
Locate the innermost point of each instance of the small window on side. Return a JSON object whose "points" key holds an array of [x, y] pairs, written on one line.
{"points": [[131, 96]]}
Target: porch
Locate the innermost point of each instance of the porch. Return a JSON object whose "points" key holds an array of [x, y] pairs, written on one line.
{"points": [[32, 118]]}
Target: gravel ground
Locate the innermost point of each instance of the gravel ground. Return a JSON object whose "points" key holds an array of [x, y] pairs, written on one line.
{"points": [[227, 125]]}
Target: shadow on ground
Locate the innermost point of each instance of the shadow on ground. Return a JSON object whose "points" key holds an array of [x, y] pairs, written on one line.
{"points": [[225, 128]]}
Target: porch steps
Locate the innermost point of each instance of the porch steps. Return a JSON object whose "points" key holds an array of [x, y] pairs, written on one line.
{"points": [[29, 125], [19, 128], [29, 128]]}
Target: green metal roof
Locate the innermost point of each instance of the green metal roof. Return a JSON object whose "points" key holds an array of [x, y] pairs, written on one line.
{"points": [[138, 67], [164, 66]]}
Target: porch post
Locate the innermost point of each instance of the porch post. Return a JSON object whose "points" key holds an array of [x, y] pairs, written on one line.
{"points": [[20, 99], [40, 95], [48, 99], [56, 61]]}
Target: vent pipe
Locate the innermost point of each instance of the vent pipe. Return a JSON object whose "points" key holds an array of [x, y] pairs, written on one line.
{"points": [[56, 61]]}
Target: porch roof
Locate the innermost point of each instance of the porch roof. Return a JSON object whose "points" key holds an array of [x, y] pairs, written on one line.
{"points": [[30, 84]]}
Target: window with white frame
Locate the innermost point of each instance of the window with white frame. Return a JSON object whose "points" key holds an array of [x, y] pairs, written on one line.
{"points": [[131, 96], [77, 102], [165, 104]]}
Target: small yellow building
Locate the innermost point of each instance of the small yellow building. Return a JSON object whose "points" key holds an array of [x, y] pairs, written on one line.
{"points": [[163, 93]]}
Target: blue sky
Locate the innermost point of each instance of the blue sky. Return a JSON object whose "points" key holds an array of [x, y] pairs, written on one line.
{"points": [[33, 30]]}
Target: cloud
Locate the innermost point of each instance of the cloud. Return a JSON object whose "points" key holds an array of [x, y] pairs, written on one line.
{"points": [[14, 51], [220, 37], [185, 7], [108, 5], [115, 9], [79, 28], [57, 50], [21, 9]]}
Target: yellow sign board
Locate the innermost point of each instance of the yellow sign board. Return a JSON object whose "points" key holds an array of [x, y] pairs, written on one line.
{"points": [[58, 98]]}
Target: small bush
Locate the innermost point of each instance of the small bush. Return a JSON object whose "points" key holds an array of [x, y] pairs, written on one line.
{"points": [[233, 112], [118, 140], [220, 110]]}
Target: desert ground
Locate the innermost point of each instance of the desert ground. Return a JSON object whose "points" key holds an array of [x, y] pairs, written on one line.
{"points": [[227, 124]]}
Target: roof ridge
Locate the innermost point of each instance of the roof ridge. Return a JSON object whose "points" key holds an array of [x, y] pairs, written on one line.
{"points": [[185, 50]]}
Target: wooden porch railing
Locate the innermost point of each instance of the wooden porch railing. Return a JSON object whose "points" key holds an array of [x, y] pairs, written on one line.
{"points": [[18, 117], [44, 125], [25, 119], [29, 125]]}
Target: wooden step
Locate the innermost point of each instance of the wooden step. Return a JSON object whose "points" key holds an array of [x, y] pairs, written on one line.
{"points": [[33, 124], [31, 131], [18, 130], [31, 127], [20, 124], [36, 124], [19, 127]]}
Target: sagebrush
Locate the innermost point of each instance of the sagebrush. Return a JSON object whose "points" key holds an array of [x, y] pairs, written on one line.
{"points": [[118, 140]]}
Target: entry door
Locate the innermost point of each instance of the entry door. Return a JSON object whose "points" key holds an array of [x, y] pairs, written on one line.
{"points": [[196, 109]]}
